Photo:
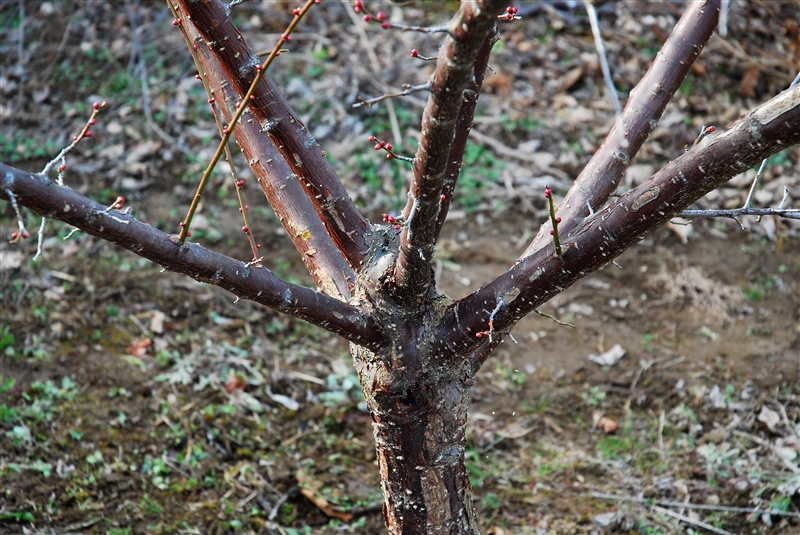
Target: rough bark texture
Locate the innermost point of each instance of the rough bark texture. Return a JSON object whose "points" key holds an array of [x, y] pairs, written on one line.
{"points": [[416, 353], [308, 162], [601, 176]]}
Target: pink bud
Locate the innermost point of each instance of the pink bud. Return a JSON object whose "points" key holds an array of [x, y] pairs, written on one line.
{"points": [[397, 227], [442, 197], [183, 223], [25, 235], [388, 146], [212, 100], [552, 232], [88, 133], [558, 220], [389, 156], [176, 22], [62, 168], [385, 25], [245, 229], [188, 234], [296, 11], [372, 139], [13, 235], [711, 129], [286, 37], [197, 76], [92, 121], [258, 246], [357, 9], [240, 183], [96, 105], [367, 17], [381, 16], [414, 53]]}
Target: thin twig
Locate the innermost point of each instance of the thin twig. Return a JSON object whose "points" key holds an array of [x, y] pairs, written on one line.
{"points": [[687, 505], [408, 89], [548, 316], [601, 52]]}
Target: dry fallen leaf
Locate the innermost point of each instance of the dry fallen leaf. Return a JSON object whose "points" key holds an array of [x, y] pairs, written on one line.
{"points": [[138, 347]]}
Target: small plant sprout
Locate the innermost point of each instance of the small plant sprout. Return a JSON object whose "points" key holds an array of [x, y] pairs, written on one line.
{"points": [[548, 194]]}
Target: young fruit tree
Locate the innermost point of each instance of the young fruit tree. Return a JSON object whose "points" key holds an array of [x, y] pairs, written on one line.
{"points": [[417, 352]]}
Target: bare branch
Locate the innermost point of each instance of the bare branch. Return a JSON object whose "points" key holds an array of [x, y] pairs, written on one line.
{"points": [[645, 106], [768, 129], [253, 283], [278, 120], [454, 72], [463, 129], [329, 269]]}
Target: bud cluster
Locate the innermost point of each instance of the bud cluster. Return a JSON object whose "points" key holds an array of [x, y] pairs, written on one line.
{"points": [[380, 16], [383, 145], [396, 222], [510, 14]]}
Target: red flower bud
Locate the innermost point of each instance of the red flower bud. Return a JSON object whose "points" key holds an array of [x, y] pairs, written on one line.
{"points": [[176, 22], [96, 105], [367, 17], [389, 156], [381, 16], [414, 53], [397, 227], [212, 100], [552, 232], [62, 167], [388, 146], [88, 133], [92, 121], [245, 229], [385, 25], [442, 197], [240, 183], [258, 246], [558, 220]]}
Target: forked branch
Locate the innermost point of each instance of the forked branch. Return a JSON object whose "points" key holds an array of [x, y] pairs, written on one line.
{"points": [[473, 23], [768, 129], [646, 104]]}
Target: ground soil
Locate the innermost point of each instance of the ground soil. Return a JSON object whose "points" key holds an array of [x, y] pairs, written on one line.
{"points": [[137, 401]]}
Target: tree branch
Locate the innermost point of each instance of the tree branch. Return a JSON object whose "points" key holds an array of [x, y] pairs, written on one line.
{"points": [[298, 215], [254, 283], [463, 128], [454, 72], [646, 104], [345, 224], [768, 129]]}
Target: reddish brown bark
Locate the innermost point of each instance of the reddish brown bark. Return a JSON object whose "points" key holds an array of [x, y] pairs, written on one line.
{"points": [[601, 176], [308, 162], [417, 353]]}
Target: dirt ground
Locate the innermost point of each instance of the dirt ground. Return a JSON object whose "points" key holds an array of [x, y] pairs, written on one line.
{"points": [[134, 401]]}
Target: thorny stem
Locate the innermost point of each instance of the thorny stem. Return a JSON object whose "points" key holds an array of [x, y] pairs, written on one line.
{"points": [[248, 228], [261, 70]]}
